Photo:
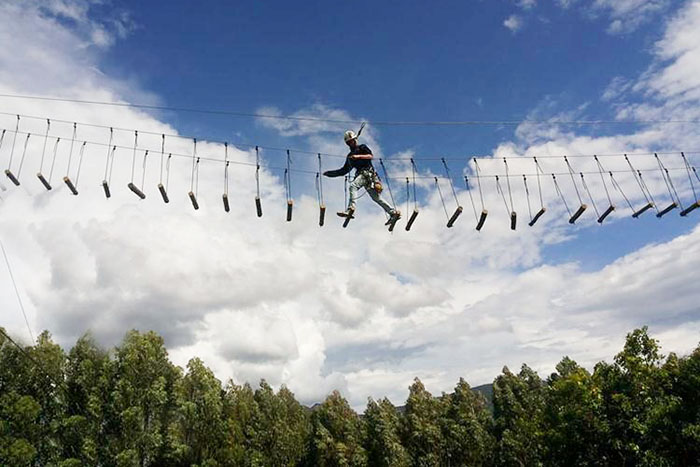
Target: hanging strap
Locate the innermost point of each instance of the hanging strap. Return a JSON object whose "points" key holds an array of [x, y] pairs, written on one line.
{"points": [[388, 185], [437, 184], [527, 195], [24, 153], [478, 182], [109, 151], [571, 173], [619, 189], [46, 139], [80, 162], [162, 157], [53, 162], [602, 178], [14, 140], [449, 177], [133, 159], [669, 182], [585, 187], [499, 189], [690, 178], [556, 186]]}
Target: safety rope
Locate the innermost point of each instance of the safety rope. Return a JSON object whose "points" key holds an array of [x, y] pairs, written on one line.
{"points": [[619, 189], [81, 153], [388, 185], [669, 182], [571, 172], [53, 161], [585, 187], [24, 153], [527, 195], [109, 151], [690, 178], [471, 197], [70, 151], [46, 139], [437, 184], [556, 186], [14, 140]]}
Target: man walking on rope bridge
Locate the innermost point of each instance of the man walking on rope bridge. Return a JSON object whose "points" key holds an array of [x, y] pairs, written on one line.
{"points": [[360, 159]]}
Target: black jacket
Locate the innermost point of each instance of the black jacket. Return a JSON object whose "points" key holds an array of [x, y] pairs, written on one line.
{"points": [[350, 163]]}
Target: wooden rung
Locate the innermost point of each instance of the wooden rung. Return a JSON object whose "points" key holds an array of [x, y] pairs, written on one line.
{"points": [[347, 221], [136, 191], [193, 198], [70, 185], [258, 206], [537, 216], [607, 212], [690, 208], [642, 210], [226, 206], [322, 215], [513, 220], [105, 188], [392, 224], [11, 176], [577, 214], [290, 206], [412, 219], [163, 193], [668, 209], [482, 219], [454, 217], [43, 181]]}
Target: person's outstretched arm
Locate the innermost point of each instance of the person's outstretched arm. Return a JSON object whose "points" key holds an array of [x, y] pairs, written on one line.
{"points": [[339, 172]]}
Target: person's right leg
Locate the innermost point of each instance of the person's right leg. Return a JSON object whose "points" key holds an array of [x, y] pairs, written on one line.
{"points": [[355, 186]]}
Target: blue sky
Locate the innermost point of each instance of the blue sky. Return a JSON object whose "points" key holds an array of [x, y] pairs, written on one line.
{"points": [[356, 309]]}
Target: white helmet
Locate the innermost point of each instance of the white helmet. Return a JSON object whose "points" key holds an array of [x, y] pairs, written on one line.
{"points": [[349, 135]]}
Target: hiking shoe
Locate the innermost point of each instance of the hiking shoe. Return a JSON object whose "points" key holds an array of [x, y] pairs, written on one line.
{"points": [[349, 213], [395, 216]]}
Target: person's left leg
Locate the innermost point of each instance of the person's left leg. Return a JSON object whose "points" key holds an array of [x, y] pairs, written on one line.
{"points": [[377, 198]]}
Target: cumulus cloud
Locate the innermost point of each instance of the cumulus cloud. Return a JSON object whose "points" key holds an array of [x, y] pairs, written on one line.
{"points": [[321, 308], [514, 23], [624, 15]]}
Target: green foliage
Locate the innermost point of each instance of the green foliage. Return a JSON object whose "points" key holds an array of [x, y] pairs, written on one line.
{"points": [[133, 407]]}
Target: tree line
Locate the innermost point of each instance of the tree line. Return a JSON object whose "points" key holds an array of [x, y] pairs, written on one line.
{"points": [[133, 407]]}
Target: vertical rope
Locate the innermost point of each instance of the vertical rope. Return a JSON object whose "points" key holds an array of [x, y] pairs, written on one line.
{"points": [[24, 153], [80, 162], [600, 171], [133, 159], [471, 197], [413, 173], [449, 177], [645, 187], [162, 156], [637, 177], [14, 284], [70, 151], [14, 140], [289, 176], [527, 195], [556, 186], [669, 182], [510, 193], [167, 171], [257, 171], [111, 164], [585, 186], [408, 193], [478, 181], [196, 184], [46, 138], [143, 175], [226, 168], [499, 189], [53, 162], [690, 179], [109, 150], [194, 158], [571, 173], [388, 185], [320, 180], [539, 172], [619, 188], [441, 198]]}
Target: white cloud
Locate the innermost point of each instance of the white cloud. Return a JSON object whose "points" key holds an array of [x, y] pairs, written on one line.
{"points": [[527, 4], [321, 308], [625, 15], [514, 23]]}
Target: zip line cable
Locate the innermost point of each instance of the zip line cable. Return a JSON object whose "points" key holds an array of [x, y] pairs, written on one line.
{"points": [[314, 153], [234, 113]]}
